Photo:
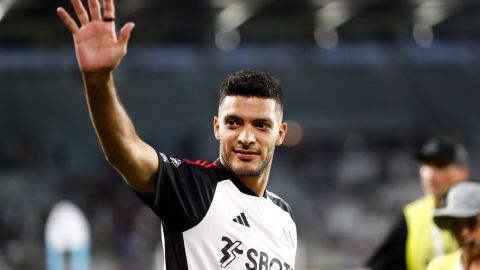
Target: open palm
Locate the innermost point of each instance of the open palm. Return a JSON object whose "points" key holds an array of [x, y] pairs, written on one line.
{"points": [[96, 44]]}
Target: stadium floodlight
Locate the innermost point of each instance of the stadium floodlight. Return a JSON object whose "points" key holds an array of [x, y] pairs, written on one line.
{"points": [[329, 17], [432, 12], [231, 18], [326, 38], [222, 3], [334, 14], [5, 6], [428, 14], [227, 41], [423, 35]]}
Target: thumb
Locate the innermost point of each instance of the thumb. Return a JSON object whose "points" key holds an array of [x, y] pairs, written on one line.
{"points": [[125, 32]]}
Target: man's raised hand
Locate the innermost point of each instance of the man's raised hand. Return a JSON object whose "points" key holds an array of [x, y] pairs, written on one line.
{"points": [[96, 44]]}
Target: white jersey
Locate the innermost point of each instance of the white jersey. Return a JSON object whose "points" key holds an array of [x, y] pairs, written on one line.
{"points": [[211, 220]]}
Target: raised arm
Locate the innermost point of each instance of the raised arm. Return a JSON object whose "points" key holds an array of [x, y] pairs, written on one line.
{"points": [[98, 52]]}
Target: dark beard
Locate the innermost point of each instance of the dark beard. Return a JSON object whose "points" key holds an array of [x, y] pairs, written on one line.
{"points": [[249, 172], [244, 171]]}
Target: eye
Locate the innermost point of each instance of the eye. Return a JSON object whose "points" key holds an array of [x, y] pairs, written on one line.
{"points": [[232, 122], [263, 125]]}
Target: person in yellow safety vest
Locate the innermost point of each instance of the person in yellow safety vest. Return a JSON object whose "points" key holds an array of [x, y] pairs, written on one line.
{"points": [[415, 240], [460, 215]]}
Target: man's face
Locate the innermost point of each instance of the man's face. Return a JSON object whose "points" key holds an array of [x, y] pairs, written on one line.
{"points": [[436, 179], [248, 129], [467, 234]]}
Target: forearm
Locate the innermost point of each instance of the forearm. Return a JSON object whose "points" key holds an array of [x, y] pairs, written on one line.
{"points": [[120, 143], [112, 124], [99, 52]]}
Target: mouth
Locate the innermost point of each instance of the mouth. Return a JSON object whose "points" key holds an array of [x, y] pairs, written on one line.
{"points": [[245, 154]]}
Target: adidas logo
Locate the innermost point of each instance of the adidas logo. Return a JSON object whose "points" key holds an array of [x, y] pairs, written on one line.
{"points": [[241, 219]]}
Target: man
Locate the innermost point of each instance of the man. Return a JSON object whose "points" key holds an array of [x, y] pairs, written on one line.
{"points": [[214, 215], [414, 239], [461, 216]]}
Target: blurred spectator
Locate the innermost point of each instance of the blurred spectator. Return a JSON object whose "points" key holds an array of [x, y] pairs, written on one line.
{"points": [[460, 215], [414, 239]]}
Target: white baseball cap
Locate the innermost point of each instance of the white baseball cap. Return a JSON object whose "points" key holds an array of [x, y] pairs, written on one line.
{"points": [[462, 201]]}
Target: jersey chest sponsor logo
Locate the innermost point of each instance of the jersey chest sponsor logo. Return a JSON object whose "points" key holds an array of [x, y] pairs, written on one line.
{"points": [[256, 259]]}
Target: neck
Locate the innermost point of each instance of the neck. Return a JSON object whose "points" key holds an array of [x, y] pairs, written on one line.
{"points": [[257, 184], [470, 261]]}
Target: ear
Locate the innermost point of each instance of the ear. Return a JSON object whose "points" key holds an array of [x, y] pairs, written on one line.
{"points": [[216, 127], [465, 172], [282, 131]]}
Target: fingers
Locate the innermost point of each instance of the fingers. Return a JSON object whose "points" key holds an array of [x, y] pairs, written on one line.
{"points": [[80, 11], [125, 32], [67, 20], [94, 7], [108, 9], [95, 13]]}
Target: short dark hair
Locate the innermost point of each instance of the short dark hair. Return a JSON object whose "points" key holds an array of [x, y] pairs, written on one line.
{"points": [[252, 83]]}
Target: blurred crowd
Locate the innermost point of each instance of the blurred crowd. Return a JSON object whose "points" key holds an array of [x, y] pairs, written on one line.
{"points": [[344, 190]]}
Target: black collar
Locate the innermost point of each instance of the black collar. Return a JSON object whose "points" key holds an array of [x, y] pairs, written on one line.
{"points": [[236, 181]]}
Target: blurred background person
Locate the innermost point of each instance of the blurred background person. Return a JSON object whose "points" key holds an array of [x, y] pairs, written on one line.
{"points": [[460, 214], [414, 239]]}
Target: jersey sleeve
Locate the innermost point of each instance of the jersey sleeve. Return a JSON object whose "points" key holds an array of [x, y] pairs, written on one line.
{"points": [[391, 252], [281, 203], [184, 191]]}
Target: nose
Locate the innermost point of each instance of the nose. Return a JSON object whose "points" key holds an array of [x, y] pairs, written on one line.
{"points": [[436, 174], [464, 231], [246, 136]]}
